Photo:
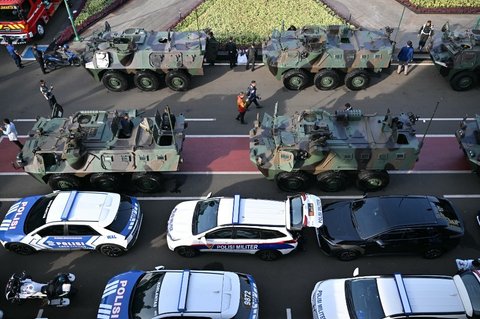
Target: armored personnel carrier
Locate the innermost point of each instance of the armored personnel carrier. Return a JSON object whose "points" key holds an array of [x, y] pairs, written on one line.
{"points": [[146, 56], [333, 148], [468, 136], [328, 54], [104, 149], [457, 57]]}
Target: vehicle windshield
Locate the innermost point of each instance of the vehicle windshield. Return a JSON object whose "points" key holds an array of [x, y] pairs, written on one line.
{"points": [[363, 300], [123, 215], [473, 289], [144, 302], [247, 302], [37, 216], [205, 215], [447, 212], [10, 13], [367, 216], [296, 212]]}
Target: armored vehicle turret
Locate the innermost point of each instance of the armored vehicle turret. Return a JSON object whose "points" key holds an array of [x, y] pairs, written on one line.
{"points": [[468, 136], [333, 148], [329, 54], [104, 150], [146, 56], [457, 56]]}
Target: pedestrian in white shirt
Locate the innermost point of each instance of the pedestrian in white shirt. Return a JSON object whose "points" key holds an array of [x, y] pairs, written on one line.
{"points": [[10, 130]]}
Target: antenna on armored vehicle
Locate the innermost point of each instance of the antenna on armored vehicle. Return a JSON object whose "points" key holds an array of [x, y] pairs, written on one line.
{"points": [[429, 123], [399, 22]]}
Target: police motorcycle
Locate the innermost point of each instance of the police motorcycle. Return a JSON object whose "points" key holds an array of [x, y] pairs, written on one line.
{"points": [[56, 292], [61, 56]]}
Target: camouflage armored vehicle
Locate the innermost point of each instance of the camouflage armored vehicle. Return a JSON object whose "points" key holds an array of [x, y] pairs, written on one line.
{"points": [[468, 136], [328, 54], [333, 148], [457, 57], [104, 149], [147, 57]]}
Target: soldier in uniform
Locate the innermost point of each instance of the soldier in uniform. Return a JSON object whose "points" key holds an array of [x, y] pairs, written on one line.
{"points": [[231, 49], [38, 54], [211, 49], [425, 32], [252, 95]]}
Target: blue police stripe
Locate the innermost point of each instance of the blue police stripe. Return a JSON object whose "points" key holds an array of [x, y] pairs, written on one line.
{"points": [[68, 206], [182, 297], [236, 210]]}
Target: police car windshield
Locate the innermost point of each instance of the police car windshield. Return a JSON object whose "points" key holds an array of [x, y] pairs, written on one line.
{"points": [[205, 215], [37, 216], [123, 215], [363, 300], [144, 303]]}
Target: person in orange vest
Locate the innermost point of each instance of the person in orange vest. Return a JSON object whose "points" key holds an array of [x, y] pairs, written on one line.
{"points": [[242, 108]]}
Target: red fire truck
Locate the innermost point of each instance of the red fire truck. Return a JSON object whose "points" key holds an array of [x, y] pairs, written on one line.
{"points": [[23, 20]]}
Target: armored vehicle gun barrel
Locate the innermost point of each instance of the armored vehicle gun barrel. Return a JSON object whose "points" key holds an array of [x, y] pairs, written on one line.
{"points": [[333, 148], [104, 150]]}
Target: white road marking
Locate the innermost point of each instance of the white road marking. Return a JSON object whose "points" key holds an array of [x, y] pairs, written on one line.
{"points": [[187, 119], [39, 314], [289, 313]]}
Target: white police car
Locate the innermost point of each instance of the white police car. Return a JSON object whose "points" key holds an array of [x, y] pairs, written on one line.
{"points": [[71, 220], [172, 294], [254, 226]]}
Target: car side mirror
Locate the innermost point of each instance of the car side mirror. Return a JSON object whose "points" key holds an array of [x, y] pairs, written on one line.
{"points": [[208, 195], [203, 240], [159, 267], [356, 272], [380, 243]]}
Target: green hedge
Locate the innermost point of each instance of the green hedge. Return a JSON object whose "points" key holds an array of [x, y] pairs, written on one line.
{"points": [[446, 3], [91, 8], [253, 20]]}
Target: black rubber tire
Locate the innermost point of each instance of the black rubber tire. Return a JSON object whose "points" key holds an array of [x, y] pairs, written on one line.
{"points": [[463, 81], [147, 182], [268, 255], [76, 61], [111, 250], [331, 181], [347, 254], [105, 181], [372, 181], [40, 28], [177, 80], [64, 182], [50, 65], [357, 80], [186, 251], [432, 253], [326, 80], [292, 181], [115, 81], [146, 81], [20, 248], [295, 79]]}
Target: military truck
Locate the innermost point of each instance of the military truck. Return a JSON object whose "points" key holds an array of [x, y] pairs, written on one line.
{"points": [[104, 150], [468, 136], [147, 57], [457, 56], [330, 54], [334, 149]]}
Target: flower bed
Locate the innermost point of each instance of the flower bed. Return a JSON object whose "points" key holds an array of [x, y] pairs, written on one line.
{"points": [[442, 6]]}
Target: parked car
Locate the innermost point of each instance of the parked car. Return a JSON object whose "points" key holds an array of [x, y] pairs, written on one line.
{"points": [[398, 296], [72, 220], [266, 228], [389, 224], [186, 294]]}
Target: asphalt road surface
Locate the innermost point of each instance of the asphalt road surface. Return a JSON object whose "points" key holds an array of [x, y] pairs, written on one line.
{"points": [[215, 161]]}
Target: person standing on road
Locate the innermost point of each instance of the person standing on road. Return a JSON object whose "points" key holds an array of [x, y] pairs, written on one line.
{"points": [[14, 54], [231, 49], [47, 93], [425, 33], [242, 108], [404, 57], [10, 130], [38, 54], [252, 54], [252, 95]]}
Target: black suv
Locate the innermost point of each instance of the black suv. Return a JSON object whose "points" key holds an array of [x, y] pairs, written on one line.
{"points": [[389, 224]]}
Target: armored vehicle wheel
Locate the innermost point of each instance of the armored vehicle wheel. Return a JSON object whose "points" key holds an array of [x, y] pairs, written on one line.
{"points": [[115, 81], [20, 248], [64, 182], [295, 79], [372, 180], [186, 251], [357, 80], [331, 181], [292, 181], [326, 80], [146, 182], [463, 81], [105, 181], [268, 255], [146, 81], [111, 250], [177, 80], [347, 254]]}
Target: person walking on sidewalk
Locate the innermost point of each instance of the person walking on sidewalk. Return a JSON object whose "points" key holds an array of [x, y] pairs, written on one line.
{"points": [[231, 49], [252, 95], [425, 33], [47, 94], [242, 108], [38, 54], [10, 130], [14, 54], [404, 57], [252, 54]]}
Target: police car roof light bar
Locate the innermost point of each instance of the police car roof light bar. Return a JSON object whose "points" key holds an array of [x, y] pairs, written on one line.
{"points": [[403, 293], [182, 297], [236, 210], [68, 205]]}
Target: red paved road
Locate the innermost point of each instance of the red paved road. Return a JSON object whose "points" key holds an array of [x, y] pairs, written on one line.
{"points": [[230, 154]]}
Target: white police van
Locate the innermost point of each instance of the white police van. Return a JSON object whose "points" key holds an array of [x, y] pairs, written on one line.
{"points": [[267, 228], [172, 294], [71, 220], [399, 296]]}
